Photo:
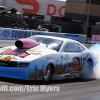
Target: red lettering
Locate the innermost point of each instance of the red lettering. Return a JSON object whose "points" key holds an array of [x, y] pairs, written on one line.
{"points": [[33, 3], [61, 10], [48, 10]]}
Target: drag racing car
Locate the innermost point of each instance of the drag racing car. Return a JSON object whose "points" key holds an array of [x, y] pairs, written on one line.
{"points": [[46, 58]]}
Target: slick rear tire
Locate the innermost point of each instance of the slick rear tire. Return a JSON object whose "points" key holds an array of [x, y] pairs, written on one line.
{"points": [[48, 73], [87, 69]]}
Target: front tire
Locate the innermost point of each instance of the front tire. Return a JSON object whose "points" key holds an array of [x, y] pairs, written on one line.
{"points": [[48, 73]]}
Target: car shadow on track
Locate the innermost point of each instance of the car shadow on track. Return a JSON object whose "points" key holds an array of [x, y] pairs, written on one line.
{"points": [[37, 82]]}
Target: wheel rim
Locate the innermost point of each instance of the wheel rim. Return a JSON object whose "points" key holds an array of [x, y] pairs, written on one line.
{"points": [[47, 74]]}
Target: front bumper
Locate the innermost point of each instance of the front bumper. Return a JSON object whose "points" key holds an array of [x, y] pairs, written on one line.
{"points": [[16, 73]]}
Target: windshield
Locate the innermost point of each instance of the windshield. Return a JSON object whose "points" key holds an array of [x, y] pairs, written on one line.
{"points": [[50, 43]]}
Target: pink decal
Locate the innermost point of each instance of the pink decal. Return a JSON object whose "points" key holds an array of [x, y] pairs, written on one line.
{"points": [[49, 59]]}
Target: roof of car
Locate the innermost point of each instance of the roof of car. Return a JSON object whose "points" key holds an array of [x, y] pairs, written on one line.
{"points": [[53, 37], [58, 38]]}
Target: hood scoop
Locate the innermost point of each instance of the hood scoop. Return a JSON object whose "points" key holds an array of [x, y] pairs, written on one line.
{"points": [[26, 43]]}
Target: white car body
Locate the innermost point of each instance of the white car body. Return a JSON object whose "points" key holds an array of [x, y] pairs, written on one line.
{"points": [[76, 62]]}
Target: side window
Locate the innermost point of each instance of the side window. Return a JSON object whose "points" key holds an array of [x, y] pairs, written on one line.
{"points": [[81, 48], [71, 47], [66, 48]]}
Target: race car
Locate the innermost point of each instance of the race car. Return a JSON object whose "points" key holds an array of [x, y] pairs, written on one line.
{"points": [[46, 58]]}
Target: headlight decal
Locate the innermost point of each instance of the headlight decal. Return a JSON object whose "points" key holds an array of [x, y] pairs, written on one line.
{"points": [[13, 64]]}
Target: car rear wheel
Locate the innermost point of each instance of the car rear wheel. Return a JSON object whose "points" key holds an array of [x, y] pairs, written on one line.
{"points": [[88, 69], [48, 73]]}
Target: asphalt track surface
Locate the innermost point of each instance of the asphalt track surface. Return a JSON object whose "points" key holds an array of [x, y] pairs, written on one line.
{"points": [[73, 89]]}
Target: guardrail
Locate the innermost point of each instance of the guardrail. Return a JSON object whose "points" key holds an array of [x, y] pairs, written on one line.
{"points": [[14, 34]]}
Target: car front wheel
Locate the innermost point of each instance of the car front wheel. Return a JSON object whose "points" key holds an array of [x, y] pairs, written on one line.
{"points": [[48, 73]]}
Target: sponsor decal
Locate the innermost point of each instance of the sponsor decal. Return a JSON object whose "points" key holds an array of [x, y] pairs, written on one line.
{"points": [[43, 33], [69, 69], [33, 3], [58, 77], [11, 52], [6, 33], [95, 38], [63, 76], [8, 58], [36, 8], [35, 52], [55, 10], [63, 65], [67, 76], [20, 34], [73, 66], [72, 75], [24, 34], [23, 54]]}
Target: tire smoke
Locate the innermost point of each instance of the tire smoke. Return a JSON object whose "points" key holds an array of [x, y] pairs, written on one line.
{"points": [[96, 50]]}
